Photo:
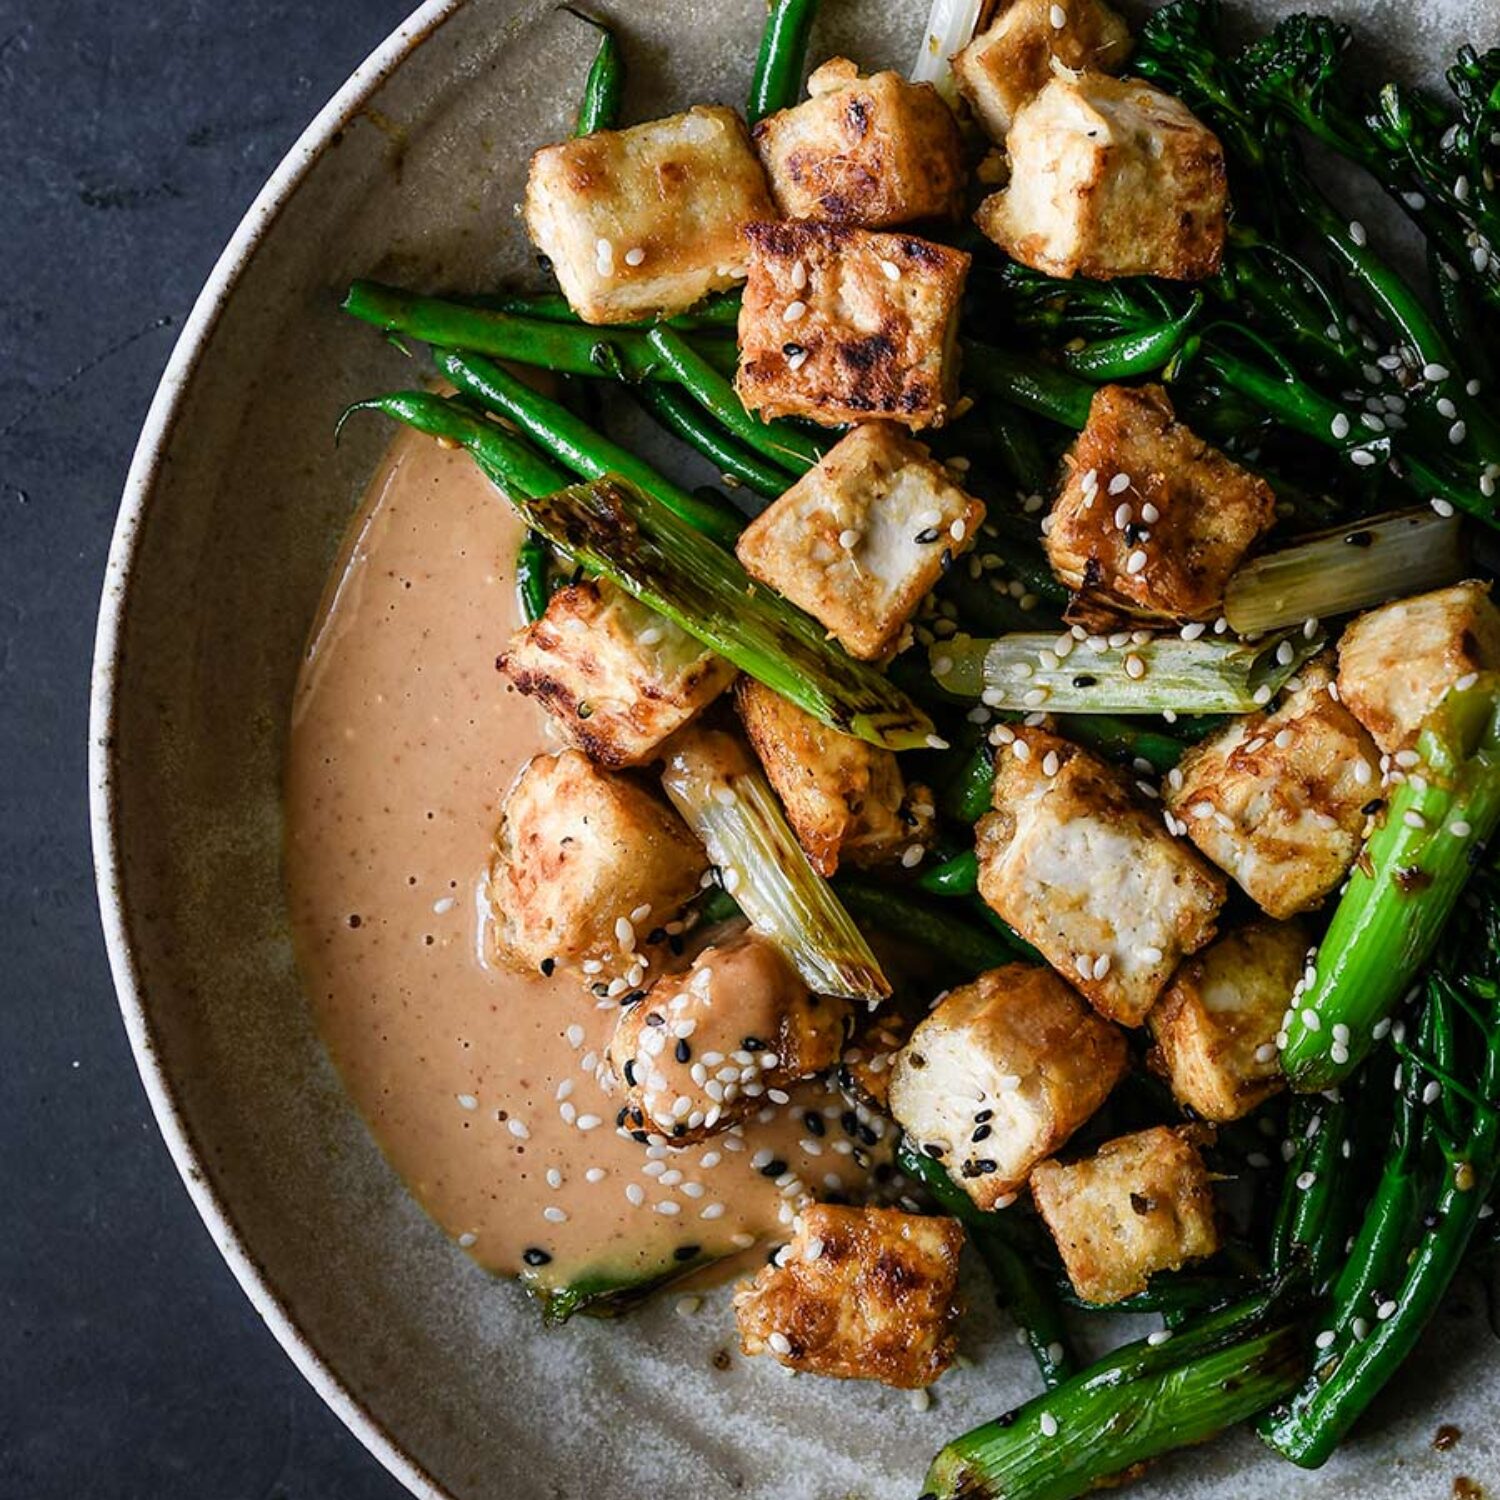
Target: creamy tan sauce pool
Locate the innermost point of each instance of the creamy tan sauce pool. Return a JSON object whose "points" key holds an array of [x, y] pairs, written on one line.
{"points": [[477, 1082]]}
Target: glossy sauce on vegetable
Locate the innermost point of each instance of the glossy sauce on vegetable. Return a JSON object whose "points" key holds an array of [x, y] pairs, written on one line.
{"points": [[478, 1082]]}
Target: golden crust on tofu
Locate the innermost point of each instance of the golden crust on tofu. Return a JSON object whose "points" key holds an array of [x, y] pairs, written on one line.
{"points": [[1215, 1028], [860, 539], [1141, 1204], [1010, 62], [1089, 876], [1110, 178], [1162, 545], [1279, 800], [845, 798], [698, 1051], [577, 850], [618, 676], [843, 325], [1397, 662], [864, 1072], [1000, 1074], [875, 151], [647, 220], [861, 1294]]}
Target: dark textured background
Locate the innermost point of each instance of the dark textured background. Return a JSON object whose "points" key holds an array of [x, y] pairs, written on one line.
{"points": [[133, 134]]}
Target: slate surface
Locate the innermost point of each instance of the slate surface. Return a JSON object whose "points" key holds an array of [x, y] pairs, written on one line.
{"points": [[133, 134]]}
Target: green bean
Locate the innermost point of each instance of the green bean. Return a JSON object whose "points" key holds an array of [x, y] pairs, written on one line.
{"points": [[685, 419], [949, 940], [1130, 355], [533, 564], [787, 445], [717, 314], [777, 79], [1121, 738], [965, 795], [568, 349], [603, 89], [958, 876], [573, 442], [1028, 383]]}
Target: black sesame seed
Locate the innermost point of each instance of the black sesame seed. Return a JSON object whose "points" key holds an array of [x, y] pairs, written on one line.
{"points": [[535, 1257], [600, 988], [584, 711], [682, 1052], [1373, 806], [676, 944], [814, 1122], [629, 1071], [867, 1134], [981, 1133], [773, 1168], [884, 1172], [1360, 538], [850, 1121], [633, 998], [752, 1044], [679, 1129], [1132, 533], [935, 1151], [656, 934], [549, 967], [983, 1115], [945, 562], [620, 1118], [927, 536], [687, 1252], [792, 350], [642, 1136], [1083, 680], [656, 1019]]}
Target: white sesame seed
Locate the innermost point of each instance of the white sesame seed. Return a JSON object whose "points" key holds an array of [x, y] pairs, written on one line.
{"points": [[668, 1207], [1101, 966], [891, 269], [794, 310], [1158, 1337], [912, 855], [1265, 1052], [1305, 1180], [780, 1343], [1122, 515], [1359, 1328], [848, 539], [1464, 683], [1262, 694], [1136, 562], [1362, 458], [1135, 667], [1119, 484], [467, 1101], [1325, 1338], [1311, 1020], [1048, 1423], [799, 275], [1339, 426], [1357, 232], [1432, 1093], [555, 1215], [1413, 819], [1385, 1311], [1050, 763], [518, 1129]]}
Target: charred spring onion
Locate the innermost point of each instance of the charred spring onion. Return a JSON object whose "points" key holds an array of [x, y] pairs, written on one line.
{"points": [[728, 803], [1151, 675], [1345, 569], [950, 28]]}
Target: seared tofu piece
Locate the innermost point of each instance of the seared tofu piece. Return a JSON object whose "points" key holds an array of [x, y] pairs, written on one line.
{"points": [[861, 1294], [617, 676], [1397, 663], [864, 1072], [1151, 520], [586, 864], [1110, 178], [1215, 1028], [1010, 62], [1000, 1074], [698, 1051], [874, 151], [1091, 877], [845, 799], [1141, 1204], [840, 324], [1279, 800], [863, 537], [647, 220]]}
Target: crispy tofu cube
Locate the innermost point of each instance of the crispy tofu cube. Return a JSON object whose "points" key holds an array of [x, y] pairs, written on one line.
{"points": [[864, 1072], [1000, 1074], [617, 676], [874, 151], [1215, 1028], [845, 798], [860, 1293], [1141, 1204], [1161, 542], [860, 539], [1279, 800], [1010, 62], [579, 849], [1091, 877], [647, 220], [843, 325], [1110, 178], [1397, 662], [662, 1055]]}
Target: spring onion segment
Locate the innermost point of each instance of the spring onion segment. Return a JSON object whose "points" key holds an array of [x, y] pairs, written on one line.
{"points": [[950, 28], [728, 803], [1143, 1400], [613, 528], [1345, 569], [1209, 675], [1402, 891]]}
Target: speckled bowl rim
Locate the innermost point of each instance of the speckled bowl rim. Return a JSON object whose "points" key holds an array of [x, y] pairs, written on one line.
{"points": [[140, 483]]}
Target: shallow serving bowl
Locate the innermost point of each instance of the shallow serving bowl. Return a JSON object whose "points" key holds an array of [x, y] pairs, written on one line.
{"points": [[231, 517]]}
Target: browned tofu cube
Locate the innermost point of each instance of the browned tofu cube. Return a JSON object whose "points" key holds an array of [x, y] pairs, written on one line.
{"points": [[1000, 1074], [647, 220], [1091, 877], [840, 324], [1151, 520], [875, 151], [845, 798], [697, 1053], [864, 1072], [1010, 62], [617, 676], [1398, 662], [863, 537], [1279, 800], [1215, 1028], [1141, 1204], [1110, 178], [584, 859], [860, 1293]]}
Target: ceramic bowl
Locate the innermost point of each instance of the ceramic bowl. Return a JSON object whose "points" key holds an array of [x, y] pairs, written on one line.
{"points": [[231, 516]]}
